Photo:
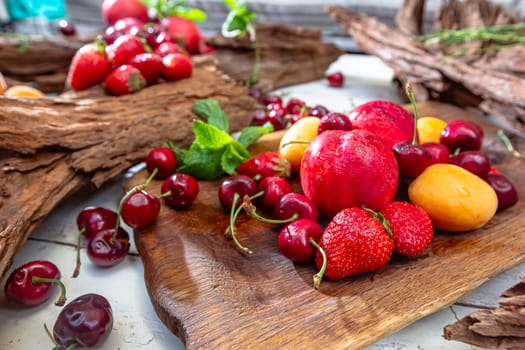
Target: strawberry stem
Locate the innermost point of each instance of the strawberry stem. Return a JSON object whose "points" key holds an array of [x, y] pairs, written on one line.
{"points": [[62, 297], [319, 275], [410, 95], [76, 271], [251, 210], [382, 220]]}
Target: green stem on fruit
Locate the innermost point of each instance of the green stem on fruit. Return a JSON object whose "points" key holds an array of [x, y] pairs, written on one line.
{"points": [[76, 271], [128, 194], [319, 275], [251, 210], [56, 346], [231, 229], [292, 142], [508, 144], [410, 94], [62, 297], [382, 220]]}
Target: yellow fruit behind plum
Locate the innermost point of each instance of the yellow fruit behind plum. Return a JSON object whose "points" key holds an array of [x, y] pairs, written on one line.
{"points": [[3, 84], [23, 91], [429, 129], [455, 199], [296, 139]]}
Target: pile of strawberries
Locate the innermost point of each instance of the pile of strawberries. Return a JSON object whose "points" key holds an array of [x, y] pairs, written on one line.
{"points": [[132, 55]]}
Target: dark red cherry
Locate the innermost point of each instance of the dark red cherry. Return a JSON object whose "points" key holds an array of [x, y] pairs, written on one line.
{"points": [[276, 114], [259, 117], [182, 190], [240, 184], [270, 98], [462, 134], [106, 249], [438, 152], [66, 27], [319, 111], [334, 121], [294, 203], [476, 162], [140, 210], [33, 283], [93, 219], [505, 190], [86, 321], [164, 160], [294, 240], [411, 158], [273, 188], [294, 105], [335, 79]]}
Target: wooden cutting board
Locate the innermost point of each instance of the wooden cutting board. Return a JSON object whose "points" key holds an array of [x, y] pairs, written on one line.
{"points": [[214, 297]]}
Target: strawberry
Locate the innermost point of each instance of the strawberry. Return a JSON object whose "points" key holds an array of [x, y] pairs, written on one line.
{"points": [[124, 80], [176, 66], [88, 67], [168, 47], [410, 226], [149, 65], [263, 165], [124, 48], [184, 31], [354, 242]]}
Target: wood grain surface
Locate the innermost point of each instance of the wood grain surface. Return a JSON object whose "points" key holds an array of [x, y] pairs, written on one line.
{"points": [[215, 297]]}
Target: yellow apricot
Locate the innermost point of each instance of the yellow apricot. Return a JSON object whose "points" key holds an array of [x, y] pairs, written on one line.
{"points": [[429, 129], [455, 199], [23, 91], [3, 84], [296, 139]]}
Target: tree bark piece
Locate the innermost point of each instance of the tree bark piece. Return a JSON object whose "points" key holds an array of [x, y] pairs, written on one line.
{"points": [[409, 18], [499, 328], [437, 75], [52, 147]]}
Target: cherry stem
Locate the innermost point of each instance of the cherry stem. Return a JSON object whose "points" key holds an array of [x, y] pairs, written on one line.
{"points": [[76, 271], [56, 346], [410, 95], [319, 275], [233, 216], [62, 297], [510, 147], [251, 210], [126, 196]]}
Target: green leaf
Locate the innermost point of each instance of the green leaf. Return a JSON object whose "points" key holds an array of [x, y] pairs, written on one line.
{"points": [[250, 134], [166, 8], [180, 153], [211, 110], [203, 163], [233, 155], [208, 136], [231, 3], [193, 14]]}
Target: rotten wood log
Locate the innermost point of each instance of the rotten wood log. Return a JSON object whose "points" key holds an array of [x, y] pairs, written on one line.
{"points": [[289, 55], [436, 75], [499, 328], [52, 147]]}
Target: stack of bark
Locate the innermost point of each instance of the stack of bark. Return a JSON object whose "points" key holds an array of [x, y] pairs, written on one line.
{"points": [[493, 81]]}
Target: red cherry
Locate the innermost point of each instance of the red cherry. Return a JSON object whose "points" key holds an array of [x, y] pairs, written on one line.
{"points": [[259, 117], [334, 121], [335, 79], [438, 152], [462, 134], [411, 158], [164, 160], [476, 162], [106, 249], [505, 190], [86, 321], [182, 190], [236, 184], [93, 219], [319, 111], [294, 240], [140, 209], [273, 188], [266, 99], [33, 283], [294, 203], [294, 105], [66, 27]]}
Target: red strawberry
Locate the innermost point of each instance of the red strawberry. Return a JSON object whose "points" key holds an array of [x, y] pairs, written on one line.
{"points": [[265, 164], [125, 47], [89, 67], [354, 242], [176, 66], [124, 80], [184, 31], [149, 65], [410, 226], [167, 48]]}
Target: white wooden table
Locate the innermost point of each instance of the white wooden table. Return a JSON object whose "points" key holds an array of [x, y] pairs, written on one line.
{"points": [[136, 325]]}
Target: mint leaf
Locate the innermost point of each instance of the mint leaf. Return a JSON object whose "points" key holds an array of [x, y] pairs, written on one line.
{"points": [[180, 153], [211, 110], [167, 8], [202, 163], [250, 134], [238, 21], [233, 155], [208, 136]]}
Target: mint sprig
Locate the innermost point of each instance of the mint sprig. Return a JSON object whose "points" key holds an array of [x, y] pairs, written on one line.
{"points": [[214, 152], [167, 8]]}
